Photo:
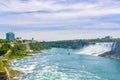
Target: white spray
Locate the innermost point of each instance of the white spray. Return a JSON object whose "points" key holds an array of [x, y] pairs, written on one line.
{"points": [[96, 49]]}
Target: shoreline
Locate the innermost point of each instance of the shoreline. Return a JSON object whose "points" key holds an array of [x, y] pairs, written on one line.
{"points": [[11, 52], [20, 73], [12, 74]]}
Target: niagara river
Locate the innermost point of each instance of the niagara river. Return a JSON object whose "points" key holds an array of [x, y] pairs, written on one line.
{"points": [[67, 64]]}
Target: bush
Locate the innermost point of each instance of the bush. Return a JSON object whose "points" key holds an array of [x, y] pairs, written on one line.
{"points": [[38, 46], [18, 49], [4, 49]]}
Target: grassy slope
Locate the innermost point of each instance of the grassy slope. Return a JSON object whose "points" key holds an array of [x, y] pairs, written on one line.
{"points": [[1, 66]]}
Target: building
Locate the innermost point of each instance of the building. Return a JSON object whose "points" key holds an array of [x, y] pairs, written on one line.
{"points": [[108, 37], [10, 36], [33, 41], [18, 38]]}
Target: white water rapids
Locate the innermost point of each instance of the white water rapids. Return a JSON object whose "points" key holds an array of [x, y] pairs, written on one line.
{"points": [[96, 49]]}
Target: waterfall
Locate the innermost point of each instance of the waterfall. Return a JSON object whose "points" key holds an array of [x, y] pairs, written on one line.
{"points": [[96, 49]]}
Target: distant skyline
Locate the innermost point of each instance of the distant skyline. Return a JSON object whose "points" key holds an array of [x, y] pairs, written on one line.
{"points": [[60, 19]]}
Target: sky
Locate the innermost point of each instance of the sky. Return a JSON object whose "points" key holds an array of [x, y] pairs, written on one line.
{"points": [[60, 19]]}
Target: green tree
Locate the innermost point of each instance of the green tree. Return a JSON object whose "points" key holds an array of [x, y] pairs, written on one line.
{"points": [[38, 46], [18, 49], [4, 49]]}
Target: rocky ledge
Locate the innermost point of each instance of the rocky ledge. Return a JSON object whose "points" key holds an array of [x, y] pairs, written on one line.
{"points": [[115, 51]]}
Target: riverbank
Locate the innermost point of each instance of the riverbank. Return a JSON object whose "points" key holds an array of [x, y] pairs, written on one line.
{"points": [[10, 73], [12, 51], [16, 73]]}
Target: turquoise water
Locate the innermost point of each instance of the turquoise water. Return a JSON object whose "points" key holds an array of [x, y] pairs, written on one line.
{"points": [[56, 64]]}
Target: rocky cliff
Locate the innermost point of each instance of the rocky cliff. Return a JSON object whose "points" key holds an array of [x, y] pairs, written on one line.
{"points": [[115, 51]]}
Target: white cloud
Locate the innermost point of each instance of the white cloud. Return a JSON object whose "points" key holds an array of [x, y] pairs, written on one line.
{"points": [[82, 15], [58, 12]]}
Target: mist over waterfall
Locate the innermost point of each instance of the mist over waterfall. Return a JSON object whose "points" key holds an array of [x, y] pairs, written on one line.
{"points": [[96, 49]]}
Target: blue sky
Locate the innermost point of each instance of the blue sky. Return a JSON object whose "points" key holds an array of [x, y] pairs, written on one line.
{"points": [[60, 19]]}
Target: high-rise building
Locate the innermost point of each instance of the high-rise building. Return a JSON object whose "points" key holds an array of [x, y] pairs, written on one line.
{"points": [[10, 36]]}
